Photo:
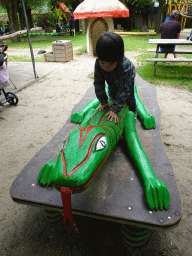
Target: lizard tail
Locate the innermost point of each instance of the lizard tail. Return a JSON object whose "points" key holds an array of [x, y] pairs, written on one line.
{"points": [[67, 209]]}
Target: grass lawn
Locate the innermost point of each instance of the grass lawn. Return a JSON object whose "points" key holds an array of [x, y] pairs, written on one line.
{"points": [[79, 40], [174, 74]]}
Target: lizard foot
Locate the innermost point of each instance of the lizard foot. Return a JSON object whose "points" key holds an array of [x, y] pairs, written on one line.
{"points": [[157, 194]]}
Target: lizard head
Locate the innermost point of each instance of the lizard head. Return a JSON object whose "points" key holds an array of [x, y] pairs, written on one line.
{"points": [[82, 153]]}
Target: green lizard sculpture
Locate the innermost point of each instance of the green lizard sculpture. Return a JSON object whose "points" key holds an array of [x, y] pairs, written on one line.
{"points": [[87, 147]]}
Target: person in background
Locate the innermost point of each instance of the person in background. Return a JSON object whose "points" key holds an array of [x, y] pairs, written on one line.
{"points": [[167, 18], [1, 31], [45, 23], [7, 28], [64, 23], [60, 26], [72, 25], [68, 18], [170, 30]]}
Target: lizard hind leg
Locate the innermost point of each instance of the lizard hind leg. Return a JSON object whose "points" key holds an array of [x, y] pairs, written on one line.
{"points": [[157, 194], [134, 146]]}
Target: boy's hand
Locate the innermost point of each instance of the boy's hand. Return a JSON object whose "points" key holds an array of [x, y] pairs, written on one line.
{"points": [[111, 115], [103, 107]]}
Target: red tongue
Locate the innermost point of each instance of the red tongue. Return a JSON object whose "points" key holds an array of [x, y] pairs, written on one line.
{"points": [[67, 210]]}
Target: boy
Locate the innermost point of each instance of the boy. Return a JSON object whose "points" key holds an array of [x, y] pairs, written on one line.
{"points": [[119, 73]]}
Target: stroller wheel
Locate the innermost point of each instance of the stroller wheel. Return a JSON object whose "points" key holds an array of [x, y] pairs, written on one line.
{"points": [[12, 98]]}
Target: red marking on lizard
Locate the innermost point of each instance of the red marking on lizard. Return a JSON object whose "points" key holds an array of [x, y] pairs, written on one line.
{"points": [[66, 198], [121, 117], [85, 185], [120, 130], [87, 155], [64, 165], [101, 118], [81, 130]]}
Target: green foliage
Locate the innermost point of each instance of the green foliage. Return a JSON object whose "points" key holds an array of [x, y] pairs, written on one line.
{"points": [[137, 4], [38, 19], [3, 20], [35, 5], [66, 2], [3, 16], [188, 23], [2, 9]]}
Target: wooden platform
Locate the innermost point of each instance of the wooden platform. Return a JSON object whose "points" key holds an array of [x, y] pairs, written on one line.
{"points": [[135, 33], [116, 191]]}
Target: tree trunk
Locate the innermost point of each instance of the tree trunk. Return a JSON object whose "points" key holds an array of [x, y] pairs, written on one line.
{"points": [[11, 7], [131, 19], [131, 16], [29, 18], [21, 18], [159, 18]]}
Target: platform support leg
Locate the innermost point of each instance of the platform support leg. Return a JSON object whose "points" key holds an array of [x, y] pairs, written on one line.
{"points": [[52, 216], [134, 235], [155, 66]]}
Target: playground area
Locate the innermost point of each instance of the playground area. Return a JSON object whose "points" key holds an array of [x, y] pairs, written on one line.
{"points": [[43, 109], [41, 119]]}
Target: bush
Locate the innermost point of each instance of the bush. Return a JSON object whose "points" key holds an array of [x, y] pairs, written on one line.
{"points": [[38, 19], [188, 23]]}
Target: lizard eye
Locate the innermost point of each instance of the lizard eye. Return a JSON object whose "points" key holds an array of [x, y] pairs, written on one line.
{"points": [[101, 143]]}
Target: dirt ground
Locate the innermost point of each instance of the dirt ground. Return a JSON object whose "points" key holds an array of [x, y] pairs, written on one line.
{"points": [[42, 111]]}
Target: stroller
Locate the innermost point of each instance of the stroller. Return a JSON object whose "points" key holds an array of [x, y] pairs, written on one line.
{"points": [[10, 97]]}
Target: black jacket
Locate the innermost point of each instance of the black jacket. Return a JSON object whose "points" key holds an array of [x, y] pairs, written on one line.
{"points": [[120, 85]]}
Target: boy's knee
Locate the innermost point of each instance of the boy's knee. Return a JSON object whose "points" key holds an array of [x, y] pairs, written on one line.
{"points": [[132, 105], [130, 116]]}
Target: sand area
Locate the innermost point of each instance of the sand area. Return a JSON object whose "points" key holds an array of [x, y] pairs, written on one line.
{"points": [[43, 109]]}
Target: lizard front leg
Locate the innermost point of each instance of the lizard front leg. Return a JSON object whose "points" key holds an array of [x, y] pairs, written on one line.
{"points": [[156, 192], [78, 116], [146, 119]]}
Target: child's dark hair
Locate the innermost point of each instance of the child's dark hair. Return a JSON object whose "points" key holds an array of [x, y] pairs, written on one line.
{"points": [[110, 47]]}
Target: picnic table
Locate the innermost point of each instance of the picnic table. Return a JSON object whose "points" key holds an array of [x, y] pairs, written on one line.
{"points": [[160, 42], [116, 192]]}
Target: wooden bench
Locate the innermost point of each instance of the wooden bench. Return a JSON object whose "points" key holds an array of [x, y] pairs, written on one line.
{"points": [[160, 42], [155, 60], [169, 60], [176, 51]]}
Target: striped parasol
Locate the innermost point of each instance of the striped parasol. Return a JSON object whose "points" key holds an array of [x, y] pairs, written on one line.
{"points": [[100, 8]]}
